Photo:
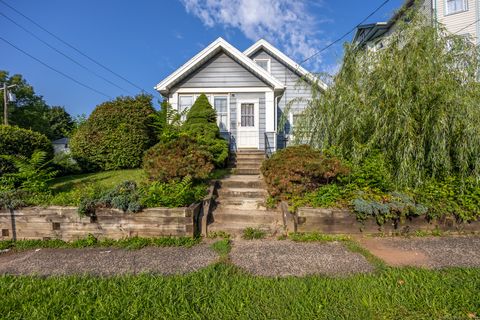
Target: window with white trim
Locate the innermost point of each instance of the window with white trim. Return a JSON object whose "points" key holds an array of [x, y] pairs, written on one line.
{"points": [[220, 103], [263, 63], [455, 6], [184, 103]]}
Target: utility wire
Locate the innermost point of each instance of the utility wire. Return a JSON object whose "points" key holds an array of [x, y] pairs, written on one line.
{"points": [[345, 35], [63, 54], [74, 48], [56, 70], [471, 24]]}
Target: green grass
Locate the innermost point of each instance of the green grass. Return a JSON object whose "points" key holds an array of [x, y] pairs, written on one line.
{"points": [[221, 291], [222, 247], [253, 233], [91, 242], [316, 237], [69, 190]]}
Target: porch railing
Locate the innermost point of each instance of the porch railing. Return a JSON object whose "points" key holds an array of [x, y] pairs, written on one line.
{"points": [[269, 145]]}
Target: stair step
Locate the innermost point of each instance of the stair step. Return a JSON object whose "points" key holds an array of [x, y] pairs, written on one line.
{"points": [[258, 184], [246, 171], [235, 203], [250, 156], [233, 216], [247, 166], [242, 192], [237, 229]]}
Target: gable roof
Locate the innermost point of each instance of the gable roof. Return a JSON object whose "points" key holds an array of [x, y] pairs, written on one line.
{"points": [[297, 68], [205, 55]]}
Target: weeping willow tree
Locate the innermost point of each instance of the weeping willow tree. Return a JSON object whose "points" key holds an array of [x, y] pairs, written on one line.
{"points": [[417, 101]]}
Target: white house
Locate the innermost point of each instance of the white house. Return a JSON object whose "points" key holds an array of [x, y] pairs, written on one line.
{"points": [[249, 90]]}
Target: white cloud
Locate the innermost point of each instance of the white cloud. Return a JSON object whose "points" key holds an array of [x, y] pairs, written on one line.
{"points": [[287, 24]]}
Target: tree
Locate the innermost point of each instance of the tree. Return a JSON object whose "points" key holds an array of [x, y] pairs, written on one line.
{"points": [[60, 122], [201, 124], [415, 101], [167, 122], [116, 135]]}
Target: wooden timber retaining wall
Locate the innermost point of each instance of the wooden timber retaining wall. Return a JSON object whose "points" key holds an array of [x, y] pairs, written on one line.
{"points": [[343, 221], [66, 224]]}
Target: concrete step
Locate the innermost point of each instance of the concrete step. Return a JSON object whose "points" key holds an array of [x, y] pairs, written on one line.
{"points": [[246, 171], [242, 192], [253, 156], [250, 151], [261, 217], [236, 203], [247, 166], [247, 161], [236, 230], [242, 183]]}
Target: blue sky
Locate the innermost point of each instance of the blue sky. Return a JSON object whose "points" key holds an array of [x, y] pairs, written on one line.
{"points": [[146, 40]]}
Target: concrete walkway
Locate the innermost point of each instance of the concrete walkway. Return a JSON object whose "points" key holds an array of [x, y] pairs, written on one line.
{"points": [[261, 257]]}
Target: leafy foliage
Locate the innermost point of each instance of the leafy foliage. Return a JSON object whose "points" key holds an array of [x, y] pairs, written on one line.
{"points": [[12, 199], [60, 122], [201, 123], [416, 101], [253, 234], [32, 174], [173, 194], [176, 159], [167, 122], [116, 134], [298, 169], [15, 141], [65, 164]]}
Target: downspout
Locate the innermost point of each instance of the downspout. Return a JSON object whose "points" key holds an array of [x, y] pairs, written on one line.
{"points": [[276, 100]]}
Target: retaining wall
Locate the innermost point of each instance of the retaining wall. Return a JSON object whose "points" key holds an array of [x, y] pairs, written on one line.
{"points": [[66, 224], [343, 221]]}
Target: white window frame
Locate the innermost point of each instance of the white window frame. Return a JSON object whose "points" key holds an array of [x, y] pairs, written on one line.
{"points": [[179, 104], [269, 63], [464, 9], [222, 95]]}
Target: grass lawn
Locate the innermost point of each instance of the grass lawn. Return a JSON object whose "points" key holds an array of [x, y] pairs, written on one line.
{"points": [[222, 291], [69, 190]]}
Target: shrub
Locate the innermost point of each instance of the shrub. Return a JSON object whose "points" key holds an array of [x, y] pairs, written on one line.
{"points": [[16, 141], [253, 233], [64, 164], [116, 134], [201, 123], [12, 199], [173, 194], [299, 169], [396, 207], [177, 159]]}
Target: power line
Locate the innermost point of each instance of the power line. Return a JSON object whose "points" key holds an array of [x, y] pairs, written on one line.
{"points": [[471, 24], [56, 70], [345, 35], [73, 47], [63, 54]]}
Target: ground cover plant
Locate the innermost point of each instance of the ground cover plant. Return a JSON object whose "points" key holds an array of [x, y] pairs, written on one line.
{"points": [[222, 291]]}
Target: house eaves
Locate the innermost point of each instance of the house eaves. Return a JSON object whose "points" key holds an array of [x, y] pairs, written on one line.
{"points": [[209, 52], [297, 68]]}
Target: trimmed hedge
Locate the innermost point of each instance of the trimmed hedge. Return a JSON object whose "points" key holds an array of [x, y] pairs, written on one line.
{"points": [[21, 142], [177, 159], [298, 169], [116, 135]]}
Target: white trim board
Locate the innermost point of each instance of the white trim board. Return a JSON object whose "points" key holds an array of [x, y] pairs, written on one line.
{"points": [[281, 56], [222, 90], [203, 56]]}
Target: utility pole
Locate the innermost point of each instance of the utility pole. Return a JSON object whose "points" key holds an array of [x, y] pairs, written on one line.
{"points": [[5, 101]]}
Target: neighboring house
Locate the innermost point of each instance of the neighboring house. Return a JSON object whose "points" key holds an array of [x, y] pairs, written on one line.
{"points": [[250, 91], [458, 16], [61, 145]]}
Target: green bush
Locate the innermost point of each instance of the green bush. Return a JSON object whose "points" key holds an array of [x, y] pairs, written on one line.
{"points": [[201, 123], [176, 159], [65, 165], [116, 135], [299, 169], [173, 194], [16, 141]]}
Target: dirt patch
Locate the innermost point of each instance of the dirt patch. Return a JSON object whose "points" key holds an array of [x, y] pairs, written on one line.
{"points": [[429, 252], [288, 258], [107, 262]]}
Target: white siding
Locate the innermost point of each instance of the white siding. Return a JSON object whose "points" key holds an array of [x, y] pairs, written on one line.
{"points": [[458, 21]]}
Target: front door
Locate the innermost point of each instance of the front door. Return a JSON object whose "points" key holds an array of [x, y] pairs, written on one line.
{"points": [[247, 124]]}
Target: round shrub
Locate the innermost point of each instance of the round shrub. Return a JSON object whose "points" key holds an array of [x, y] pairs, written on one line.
{"points": [[298, 169], [177, 159], [21, 142], [116, 135]]}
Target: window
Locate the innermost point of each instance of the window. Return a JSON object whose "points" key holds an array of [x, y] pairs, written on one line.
{"points": [[263, 63], [456, 6], [221, 106], [247, 113], [184, 103]]}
